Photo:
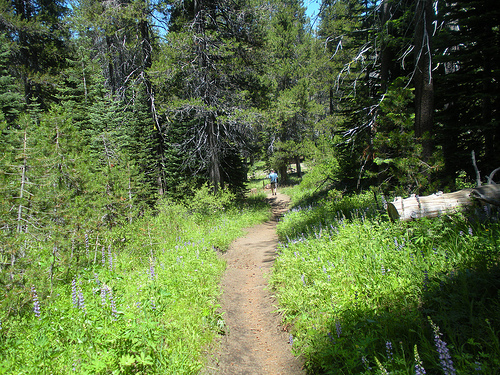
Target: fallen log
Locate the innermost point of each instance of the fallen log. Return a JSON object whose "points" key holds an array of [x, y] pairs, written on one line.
{"points": [[434, 205]]}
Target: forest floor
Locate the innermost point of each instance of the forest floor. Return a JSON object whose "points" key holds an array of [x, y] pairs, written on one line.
{"points": [[255, 342]]}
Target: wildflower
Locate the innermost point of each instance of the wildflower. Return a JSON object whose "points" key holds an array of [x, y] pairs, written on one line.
{"points": [[110, 258], [96, 278], [478, 367], [330, 336], [114, 312], [388, 349], [383, 270], [365, 363], [153, 306], [338, 327], [426, 280], [470, 231], [152, 274], [103, 256], [290, 340], [36, 304], [381, 367], [81, 301], [104, 291], [74, 294], [443, 351], [303, 277], [419, 368]]}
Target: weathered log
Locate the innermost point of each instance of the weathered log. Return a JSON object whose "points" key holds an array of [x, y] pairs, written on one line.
{"points": [[434, 205], [487, 194]]}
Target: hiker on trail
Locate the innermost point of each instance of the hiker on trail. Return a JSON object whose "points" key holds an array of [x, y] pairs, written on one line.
{"points": [[273, 176]]}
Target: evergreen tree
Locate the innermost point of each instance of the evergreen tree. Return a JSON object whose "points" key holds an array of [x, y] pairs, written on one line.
{"points": [[211, 70], [291, 117], [468, 85], [41, 40], [11, 100]]}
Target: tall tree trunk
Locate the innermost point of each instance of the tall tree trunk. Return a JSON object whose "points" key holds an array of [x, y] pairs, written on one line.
{"points": [[386, 54], [297, 165], [424, 85], [150, 94], [214, 167]]}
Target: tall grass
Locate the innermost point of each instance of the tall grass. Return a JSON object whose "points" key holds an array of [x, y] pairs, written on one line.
{"points": [[146, 302], [365, 295]]}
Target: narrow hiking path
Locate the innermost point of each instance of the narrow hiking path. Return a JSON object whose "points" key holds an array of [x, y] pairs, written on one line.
{"points": [[255, 343]]}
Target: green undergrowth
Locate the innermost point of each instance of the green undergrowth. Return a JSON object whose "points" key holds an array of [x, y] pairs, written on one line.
{"points": [[142, 301], [367, 296]]}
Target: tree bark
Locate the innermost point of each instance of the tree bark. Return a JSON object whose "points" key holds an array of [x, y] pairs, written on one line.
{"points": [[434, 205], [424, 85]]}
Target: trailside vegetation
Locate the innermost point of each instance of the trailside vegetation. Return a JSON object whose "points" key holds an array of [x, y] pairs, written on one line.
{"points": [[139, 298], [362, 294]]}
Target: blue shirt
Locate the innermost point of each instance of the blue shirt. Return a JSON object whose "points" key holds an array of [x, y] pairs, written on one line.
{"points": [[273, 176]]}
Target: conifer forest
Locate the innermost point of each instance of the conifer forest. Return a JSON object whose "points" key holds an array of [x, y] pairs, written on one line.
{"points": [[131, 131]]}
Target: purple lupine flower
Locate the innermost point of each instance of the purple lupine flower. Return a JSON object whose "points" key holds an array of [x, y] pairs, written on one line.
{"points": [[470, 231], [330, 336], [412, 258], [303, 277], [103, 256], [383, 270], [96, 278], [114, 312], [419, 368], [388, 350], [110, 258], [81, 301], [153, 306], [426, 280], [104, 292], [478, 367], [74, 294], [443, 351], [36, 303], [365, 363], [338, 327], [290, 340], [152, 274]]}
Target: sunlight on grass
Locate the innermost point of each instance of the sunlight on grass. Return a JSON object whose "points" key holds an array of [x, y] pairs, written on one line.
{"points": [[358, 289], [145, 303]]}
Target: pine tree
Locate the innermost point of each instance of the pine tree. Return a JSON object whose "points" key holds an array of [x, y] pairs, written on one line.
{"points": [[211, 70], [11, 101], [468, 85]]}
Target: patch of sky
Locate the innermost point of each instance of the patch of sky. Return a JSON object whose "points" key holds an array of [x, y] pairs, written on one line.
{"points": [[312, 10]]}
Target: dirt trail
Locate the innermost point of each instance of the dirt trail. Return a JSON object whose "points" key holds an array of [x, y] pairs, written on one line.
{"points": [[255, 343]]}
